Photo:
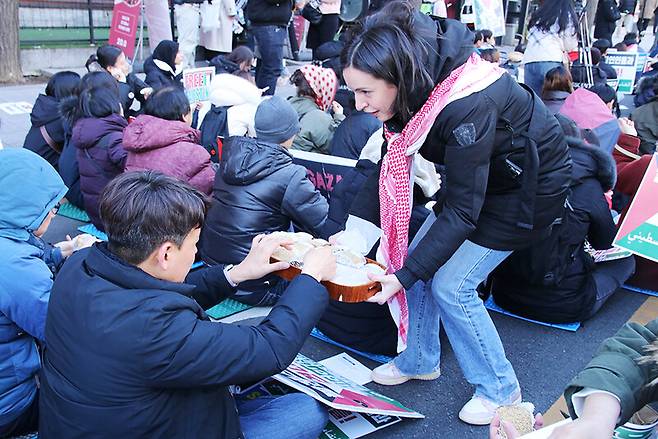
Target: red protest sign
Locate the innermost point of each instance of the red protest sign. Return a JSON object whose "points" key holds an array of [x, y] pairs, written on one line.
{"points": [[125, 17]]}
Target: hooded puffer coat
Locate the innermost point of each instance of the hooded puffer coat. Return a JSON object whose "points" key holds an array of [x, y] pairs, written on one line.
{"points": [[257, 190], [171, 147]]}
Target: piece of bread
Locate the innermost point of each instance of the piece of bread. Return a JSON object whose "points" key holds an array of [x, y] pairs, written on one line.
{"points": [[519, 415]]}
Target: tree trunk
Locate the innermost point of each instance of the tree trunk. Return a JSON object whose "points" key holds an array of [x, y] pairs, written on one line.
{"points": [[10, 66]]}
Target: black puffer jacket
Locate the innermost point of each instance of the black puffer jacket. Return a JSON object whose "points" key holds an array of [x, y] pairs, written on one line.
{"points": [[483, 140], [45, 116], [257, 190], [627, 6], [518, 287]]}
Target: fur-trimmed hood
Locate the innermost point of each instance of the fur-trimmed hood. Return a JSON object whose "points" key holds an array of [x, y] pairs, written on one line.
{"points": [[591, 161]]}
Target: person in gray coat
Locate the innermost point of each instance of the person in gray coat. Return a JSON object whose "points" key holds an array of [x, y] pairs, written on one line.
{"points": [[258, 189]]}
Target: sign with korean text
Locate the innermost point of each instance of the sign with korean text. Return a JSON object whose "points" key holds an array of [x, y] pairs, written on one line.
{"points": [[638, 232], [125, 17], [197, 83], [625, 64]]}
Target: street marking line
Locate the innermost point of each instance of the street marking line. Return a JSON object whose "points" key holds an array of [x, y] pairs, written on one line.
{"points": [[14, 108]]}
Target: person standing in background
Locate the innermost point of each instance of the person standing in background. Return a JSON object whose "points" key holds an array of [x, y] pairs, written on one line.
{"points": [[269, 27], [157, 20], [217, 27], [326, 29], [188, 19]]}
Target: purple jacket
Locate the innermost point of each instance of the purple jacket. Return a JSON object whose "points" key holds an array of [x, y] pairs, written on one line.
{"points": [[171, 147], [101, 157]]}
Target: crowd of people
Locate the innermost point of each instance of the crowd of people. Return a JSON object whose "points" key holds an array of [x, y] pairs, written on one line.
{"points": [[470, 180]]}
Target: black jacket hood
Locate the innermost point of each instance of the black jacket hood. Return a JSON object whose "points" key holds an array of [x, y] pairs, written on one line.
{"points": [[453, 46], [591, 161], [44, 111], [246, 160]]}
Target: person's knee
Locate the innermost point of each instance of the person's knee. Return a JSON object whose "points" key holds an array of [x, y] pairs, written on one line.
{"points": [[315, 414]]}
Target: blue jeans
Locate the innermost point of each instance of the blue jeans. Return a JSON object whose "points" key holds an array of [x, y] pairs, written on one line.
{"points": [[535, 72], [282, 417], [270, 41], [451, 299]]}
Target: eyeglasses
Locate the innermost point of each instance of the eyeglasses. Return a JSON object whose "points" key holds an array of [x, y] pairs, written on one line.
{"points": [[55, 209]]}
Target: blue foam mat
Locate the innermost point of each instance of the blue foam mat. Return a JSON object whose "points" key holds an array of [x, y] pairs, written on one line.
{"points": [[92, 230], [374, 357], [640, 290], [491, 305]]}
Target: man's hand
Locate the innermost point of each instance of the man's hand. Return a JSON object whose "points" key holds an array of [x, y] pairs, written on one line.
{"points": [[257, 263], [390, 286], [320, 263], [627, 126]]}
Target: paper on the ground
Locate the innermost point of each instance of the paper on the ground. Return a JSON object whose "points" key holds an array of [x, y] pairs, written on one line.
{"points": [[317, 381], [544, 433], [342, 424], [346, 366]]}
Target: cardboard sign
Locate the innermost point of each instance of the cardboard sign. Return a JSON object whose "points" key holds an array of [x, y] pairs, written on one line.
{"points": [[125, 17], [197, 83], [638, 232], [625, 64], [324, 171]]}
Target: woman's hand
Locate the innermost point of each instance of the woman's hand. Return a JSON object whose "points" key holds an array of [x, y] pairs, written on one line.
{"points": [[320, 263], [597, 420], [627, 126], [117, 73], [582, 429], [390, 286], [257, 263], [72, 245], [337, 108]]}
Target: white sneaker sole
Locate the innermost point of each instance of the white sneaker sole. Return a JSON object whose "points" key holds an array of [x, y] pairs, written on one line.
{"points": [[386, 380]]}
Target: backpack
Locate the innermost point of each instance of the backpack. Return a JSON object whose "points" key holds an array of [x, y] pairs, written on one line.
{"points": [[214, 129]]}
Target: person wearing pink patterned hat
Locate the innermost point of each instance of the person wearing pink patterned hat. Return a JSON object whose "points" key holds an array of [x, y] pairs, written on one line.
{"points": [[316, 89]]}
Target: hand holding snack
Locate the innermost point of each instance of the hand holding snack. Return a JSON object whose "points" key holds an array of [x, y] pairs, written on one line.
{"points": [[257, 263], [320, 263]]}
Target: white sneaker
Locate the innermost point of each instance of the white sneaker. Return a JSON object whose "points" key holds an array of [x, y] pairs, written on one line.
{"points": [[480, 411], [389, 375]]}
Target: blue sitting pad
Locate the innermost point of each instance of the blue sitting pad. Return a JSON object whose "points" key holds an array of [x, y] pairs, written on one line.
{"points": [[640, 290], [70, 211], [374, 357], [92, 230], [34, 435], [491, 305], [225, 308]]}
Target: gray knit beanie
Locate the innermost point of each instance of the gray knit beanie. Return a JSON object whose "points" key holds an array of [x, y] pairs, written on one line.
{"points": [[276, 121]]}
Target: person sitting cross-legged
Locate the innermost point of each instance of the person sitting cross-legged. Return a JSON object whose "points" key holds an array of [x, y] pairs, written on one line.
{"points": [[132, 354]]}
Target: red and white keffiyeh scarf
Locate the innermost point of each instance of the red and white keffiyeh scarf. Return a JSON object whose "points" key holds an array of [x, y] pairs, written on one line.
{"points": [[395, 180], [324, 83]]}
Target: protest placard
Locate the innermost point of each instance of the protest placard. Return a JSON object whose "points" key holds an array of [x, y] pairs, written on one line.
{"points": [[197, 83], [625, 64], [324, 171], [335, 391], [125, 16], [638, 232]]}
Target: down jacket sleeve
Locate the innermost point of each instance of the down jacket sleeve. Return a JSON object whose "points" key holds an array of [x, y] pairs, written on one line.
{"points": [[304, 204], [470, 133], [619, 368], [202, 172], [187, 352], [24, 293]]}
